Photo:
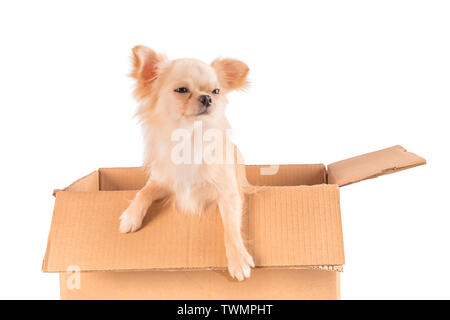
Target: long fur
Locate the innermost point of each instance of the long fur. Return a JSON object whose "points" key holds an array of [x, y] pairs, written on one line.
{"points": [[193, 187]]}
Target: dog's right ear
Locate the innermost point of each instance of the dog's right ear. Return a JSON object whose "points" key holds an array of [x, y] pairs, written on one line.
{"points": [[146, 65]]}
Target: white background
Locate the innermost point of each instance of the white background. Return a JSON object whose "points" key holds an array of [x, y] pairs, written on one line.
{"points": [[330, 80]]}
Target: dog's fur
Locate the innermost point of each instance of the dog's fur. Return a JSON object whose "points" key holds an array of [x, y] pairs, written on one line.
{"points": [[163, 110]]}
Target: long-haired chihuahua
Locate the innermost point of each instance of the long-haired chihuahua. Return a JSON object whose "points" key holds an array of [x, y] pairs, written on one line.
{"points": [[176, 96]]}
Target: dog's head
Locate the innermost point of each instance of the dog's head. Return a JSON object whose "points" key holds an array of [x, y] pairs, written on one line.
{"points": [[184, 88]]}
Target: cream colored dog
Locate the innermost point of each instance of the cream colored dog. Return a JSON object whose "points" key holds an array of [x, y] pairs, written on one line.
{"points": [[175, 96]]}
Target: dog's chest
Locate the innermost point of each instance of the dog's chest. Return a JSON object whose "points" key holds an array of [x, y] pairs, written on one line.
{"points": [[193, 189]]}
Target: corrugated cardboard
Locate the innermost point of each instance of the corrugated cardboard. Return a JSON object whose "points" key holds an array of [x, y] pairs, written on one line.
{"points": [[291, 226], [263, 284], [372, 165]]}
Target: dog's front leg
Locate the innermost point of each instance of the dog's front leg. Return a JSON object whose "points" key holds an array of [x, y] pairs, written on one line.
{"points": [[131, 218], [239, 260]]}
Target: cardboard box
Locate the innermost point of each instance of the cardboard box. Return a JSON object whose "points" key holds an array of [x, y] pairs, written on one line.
{"points": [[292, 228]]}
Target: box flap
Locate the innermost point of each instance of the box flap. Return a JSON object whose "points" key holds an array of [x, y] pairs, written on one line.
{"points": [[372, 165], [284, 227]]}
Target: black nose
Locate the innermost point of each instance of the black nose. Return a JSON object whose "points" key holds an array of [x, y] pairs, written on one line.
{"points": [[205, 100]]}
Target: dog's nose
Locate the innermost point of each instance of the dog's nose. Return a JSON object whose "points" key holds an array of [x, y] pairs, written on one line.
{"points": [[205, 100]]}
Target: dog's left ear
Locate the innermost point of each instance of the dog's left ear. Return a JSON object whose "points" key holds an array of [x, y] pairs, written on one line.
{"points": [[232, 73]]}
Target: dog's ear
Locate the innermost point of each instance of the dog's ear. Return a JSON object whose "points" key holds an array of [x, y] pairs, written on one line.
{"points": [[146, 64], [232, 73]]}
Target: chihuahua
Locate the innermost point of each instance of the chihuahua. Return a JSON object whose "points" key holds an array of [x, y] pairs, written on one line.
{"points": [[176, 96]]}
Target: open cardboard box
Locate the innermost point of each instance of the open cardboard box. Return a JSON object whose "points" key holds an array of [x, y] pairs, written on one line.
{"points": [[292, 228]]}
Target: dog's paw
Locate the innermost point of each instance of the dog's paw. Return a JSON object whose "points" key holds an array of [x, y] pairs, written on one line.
{"points": [[129, 222], [239, 266]]}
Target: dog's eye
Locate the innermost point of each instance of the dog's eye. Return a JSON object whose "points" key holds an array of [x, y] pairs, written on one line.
{"points": [[216, 91], [182, 90]]}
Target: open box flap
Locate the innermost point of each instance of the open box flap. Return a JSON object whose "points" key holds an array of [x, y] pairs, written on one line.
{"points": [[294, 226], [372, 165]]}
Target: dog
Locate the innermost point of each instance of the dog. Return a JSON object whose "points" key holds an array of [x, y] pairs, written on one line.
{"points": [[176, 96]]}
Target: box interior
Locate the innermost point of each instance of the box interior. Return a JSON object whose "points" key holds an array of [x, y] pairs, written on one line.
{"points": [[111, 179], [134, 178]]}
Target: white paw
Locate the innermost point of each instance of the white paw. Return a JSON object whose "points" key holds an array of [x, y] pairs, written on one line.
{"points": [[240, 265], [129, 222]]}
